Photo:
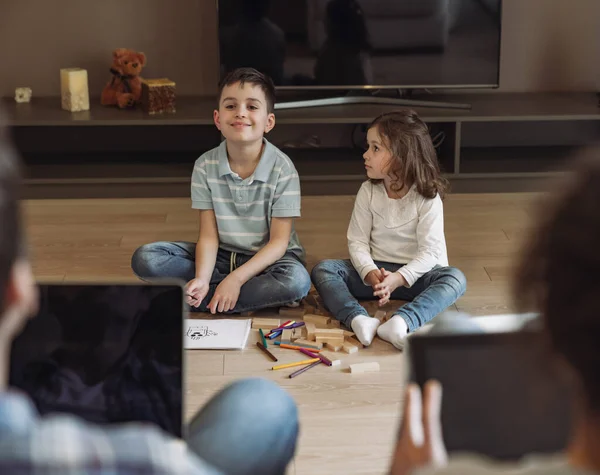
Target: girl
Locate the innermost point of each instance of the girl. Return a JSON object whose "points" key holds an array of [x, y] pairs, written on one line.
{"points": [[395, 237]]}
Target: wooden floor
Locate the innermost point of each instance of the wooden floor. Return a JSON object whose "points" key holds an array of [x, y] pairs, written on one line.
{"points": [[348, 422]]}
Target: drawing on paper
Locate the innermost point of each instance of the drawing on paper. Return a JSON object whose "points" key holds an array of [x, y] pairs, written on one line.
{"points": [[197, 332]]}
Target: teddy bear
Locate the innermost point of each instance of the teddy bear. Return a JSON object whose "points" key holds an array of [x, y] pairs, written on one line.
{"points": [[125, 87]]}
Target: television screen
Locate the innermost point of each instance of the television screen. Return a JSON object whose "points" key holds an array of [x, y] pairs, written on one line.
{"points": [[328, 44]]}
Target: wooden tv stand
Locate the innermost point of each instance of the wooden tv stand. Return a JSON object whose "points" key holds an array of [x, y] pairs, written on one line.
{"points": [[505, 142]]}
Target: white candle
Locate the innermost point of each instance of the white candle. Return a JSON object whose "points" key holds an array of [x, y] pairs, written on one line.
{"points": [[74, 89]]}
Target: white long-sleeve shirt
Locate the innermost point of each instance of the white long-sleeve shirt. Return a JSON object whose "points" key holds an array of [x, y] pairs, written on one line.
{"points": [[409, 231]]}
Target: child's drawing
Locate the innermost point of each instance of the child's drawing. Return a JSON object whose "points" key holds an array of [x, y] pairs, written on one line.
{"points": [[199, 332]]}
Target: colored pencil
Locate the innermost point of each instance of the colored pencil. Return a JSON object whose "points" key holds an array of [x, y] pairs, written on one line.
{"points": [[286, 325], [309, 353], [267, 352], [295, 347], [306, 368], [295, 325], [272, 335], [262, 336], [325, 360], [297, 363], [316, 355]]}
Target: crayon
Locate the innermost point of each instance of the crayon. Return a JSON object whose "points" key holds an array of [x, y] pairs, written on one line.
{"points": [[267, 352], [262, 336], [295, 347], [286, 325], [316, 355], [295, 325], [297, 363], [306, 368]]}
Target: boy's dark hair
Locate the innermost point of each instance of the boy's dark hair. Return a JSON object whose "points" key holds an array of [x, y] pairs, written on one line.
{"points": [[10, 222], [254, 77], [414, 161], [557, 275]]}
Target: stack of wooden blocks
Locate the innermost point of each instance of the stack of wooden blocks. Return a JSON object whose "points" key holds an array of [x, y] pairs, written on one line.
{"points": [[327, 333], [320, 331]]}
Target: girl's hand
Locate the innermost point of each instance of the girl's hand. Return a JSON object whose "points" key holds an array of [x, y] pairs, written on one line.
{"points": [[390, 282], [420, 443], [374, 277], [226, 295]]}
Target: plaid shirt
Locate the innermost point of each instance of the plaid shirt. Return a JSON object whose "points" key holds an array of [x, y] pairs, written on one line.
{"points": [[65, 445]]}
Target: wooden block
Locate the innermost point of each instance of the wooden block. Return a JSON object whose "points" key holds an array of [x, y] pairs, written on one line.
{"points": [[329, 339], [74, 90], [364, 367], [348, 334], [158, 96], [265, 323], [349, 348], [291, 312], [334, 323], [334, 346], [287, 335], [310, 330], [354, 341], [309, 343], [333, 332], [297, 333], [332, 356], [319, 320]]}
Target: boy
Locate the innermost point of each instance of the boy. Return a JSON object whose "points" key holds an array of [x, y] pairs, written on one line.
{"points": [[247, 192]]}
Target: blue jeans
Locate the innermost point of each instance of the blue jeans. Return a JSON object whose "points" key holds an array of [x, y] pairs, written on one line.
{"points": [[340, 286], [249, 427], [284, 282]]}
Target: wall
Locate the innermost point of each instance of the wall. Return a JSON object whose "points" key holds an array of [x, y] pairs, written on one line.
{"points": [[38, 37], [550, 45], [547, 45]]}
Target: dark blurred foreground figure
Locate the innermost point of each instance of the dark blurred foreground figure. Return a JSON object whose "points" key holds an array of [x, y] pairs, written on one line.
{"points": [[228, 436], [557, 277]]}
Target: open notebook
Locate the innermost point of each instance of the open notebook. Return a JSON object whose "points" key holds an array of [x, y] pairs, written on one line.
{"points": [[216, 334]]}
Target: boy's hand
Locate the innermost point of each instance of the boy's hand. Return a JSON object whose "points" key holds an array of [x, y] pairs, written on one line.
{"points": [[226, 295], [195, 291], [391, 281], [421, 441], [374, 277]]}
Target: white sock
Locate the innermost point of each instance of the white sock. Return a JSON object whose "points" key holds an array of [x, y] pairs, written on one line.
{"points": [[364, 327], [394, 331]]}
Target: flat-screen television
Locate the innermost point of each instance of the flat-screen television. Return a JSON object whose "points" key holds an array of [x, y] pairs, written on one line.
{"points": [[360, 44]]}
